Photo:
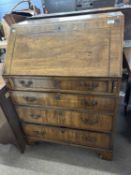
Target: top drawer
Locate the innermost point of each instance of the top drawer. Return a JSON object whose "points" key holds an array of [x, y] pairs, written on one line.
{"points": [[99, 85]]}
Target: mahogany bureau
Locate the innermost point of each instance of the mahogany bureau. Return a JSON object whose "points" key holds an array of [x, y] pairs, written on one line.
{"points": [[63, 74]]}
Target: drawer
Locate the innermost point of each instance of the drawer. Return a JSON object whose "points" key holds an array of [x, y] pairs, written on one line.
{"points": [[70, 136], [67, 118], [90, 102], [52, 83], [33, 130]]}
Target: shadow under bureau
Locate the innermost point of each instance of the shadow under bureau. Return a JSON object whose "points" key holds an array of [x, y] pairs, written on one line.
{"points": [[63, 75]]}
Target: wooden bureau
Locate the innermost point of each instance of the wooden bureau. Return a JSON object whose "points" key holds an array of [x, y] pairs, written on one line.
{"points": [[63, 74]]}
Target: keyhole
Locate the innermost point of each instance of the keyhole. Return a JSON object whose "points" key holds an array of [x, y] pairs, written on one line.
{"points": [[59, 28]]}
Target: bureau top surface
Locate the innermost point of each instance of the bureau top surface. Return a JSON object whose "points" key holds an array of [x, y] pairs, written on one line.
{"points": [[83, 45]]}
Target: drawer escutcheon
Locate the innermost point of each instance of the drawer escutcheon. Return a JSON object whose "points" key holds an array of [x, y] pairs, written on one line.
{"points": [[26, 84], [35, 116], [90, 121], [89, 102]]}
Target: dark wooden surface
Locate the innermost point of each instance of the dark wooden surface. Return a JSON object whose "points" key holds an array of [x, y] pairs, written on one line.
{"points": [[127, 57], [11, 116], [9, 131], [127, 54]]}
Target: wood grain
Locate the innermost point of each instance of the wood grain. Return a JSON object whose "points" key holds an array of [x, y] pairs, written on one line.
{"points": [[68, 136], [63, 75], [88, 102], [67, 118], [82, 46], [101, 85]]}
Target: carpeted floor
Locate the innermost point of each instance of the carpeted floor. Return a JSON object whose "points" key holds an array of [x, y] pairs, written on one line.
{"points": [[56, 159]]}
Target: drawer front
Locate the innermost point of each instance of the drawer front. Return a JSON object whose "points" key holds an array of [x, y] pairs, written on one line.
{"points": [[33, 130], [68, 136], [65, 100], [66, 118], [78, 84]]}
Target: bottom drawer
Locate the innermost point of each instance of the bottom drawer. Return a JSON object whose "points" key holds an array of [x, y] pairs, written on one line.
{"points": [[85, 138]]}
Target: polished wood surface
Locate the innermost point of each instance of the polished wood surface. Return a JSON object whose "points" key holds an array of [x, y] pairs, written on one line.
{"points": [[68, 136], [75, 101], [67, 118], [103, 85], [63, 76], [88, 45]]}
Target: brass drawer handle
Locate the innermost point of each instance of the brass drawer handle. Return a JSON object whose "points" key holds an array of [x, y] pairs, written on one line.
{"points": [[35, 116], [90, 121], [26, 84], [57, 97], [89, 138], [62, 131], [59, 112], [90, 86], [37, 132], [43, 133], [30, 99], [57, 84], [89, 102]]}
